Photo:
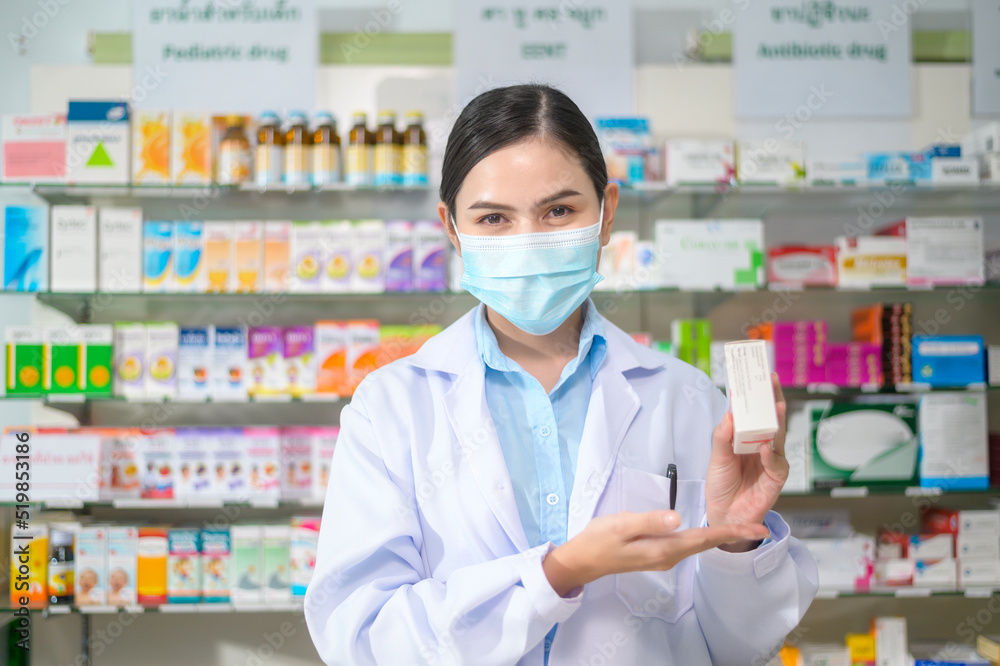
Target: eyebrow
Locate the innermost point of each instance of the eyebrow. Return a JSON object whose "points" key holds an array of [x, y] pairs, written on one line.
{"points": [[505, 207]]}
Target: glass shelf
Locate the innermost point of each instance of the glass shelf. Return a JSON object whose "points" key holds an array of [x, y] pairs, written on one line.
{"points": [[260, 607], [137, 503], [909, 593], [858, 492]]}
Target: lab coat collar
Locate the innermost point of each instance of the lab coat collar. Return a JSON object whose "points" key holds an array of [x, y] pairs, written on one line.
{"points": [[454, 349]]}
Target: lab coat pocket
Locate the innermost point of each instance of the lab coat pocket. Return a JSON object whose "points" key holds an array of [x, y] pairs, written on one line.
{"points": [[663, 594]]}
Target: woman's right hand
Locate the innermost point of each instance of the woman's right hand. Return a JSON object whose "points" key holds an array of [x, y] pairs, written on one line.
{"points": [[627, 541]]}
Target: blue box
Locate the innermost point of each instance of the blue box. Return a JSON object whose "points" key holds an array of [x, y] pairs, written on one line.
{"points": [[943, 150], [25, 240], [949, 360], [898, 167]]}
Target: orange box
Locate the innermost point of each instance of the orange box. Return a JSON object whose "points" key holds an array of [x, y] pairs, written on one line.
{"points": [[30, 549], [363, 346], [151, 566], [219, 256], [331, 342], [249, 257], [276, 251], [866, 324]]}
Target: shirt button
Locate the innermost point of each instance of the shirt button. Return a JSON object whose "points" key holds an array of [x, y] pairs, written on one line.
{"points": [[545, 431], [552, 499]]}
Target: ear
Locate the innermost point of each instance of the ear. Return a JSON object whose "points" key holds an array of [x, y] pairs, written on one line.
{"points": [[449, 228], [610, 205]]}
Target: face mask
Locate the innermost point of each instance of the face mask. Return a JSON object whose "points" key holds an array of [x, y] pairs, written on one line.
{"points": [[534, 281]]}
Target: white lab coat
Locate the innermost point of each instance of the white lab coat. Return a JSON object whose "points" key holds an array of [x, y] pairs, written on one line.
{"points": [[422, 557]]}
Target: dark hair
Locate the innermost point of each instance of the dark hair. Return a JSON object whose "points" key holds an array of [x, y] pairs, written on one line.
{"points": [[504, 116]]}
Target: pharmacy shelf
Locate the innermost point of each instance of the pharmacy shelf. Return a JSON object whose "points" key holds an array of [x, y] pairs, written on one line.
{"points": [[139, 504], [706, 200], [269, 607], [909, 593], [861, 492], [81, 304], [725, 200]]}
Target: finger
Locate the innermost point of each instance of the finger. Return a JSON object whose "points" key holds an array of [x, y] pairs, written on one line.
{"points": [[782, 410], [649, 523], [722, 438], [672, 548]]}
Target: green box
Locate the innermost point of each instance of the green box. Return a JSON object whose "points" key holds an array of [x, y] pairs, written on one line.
{"points": [[864, 443], [62, 354], [96, 377], [692, 342], [25, 360]]}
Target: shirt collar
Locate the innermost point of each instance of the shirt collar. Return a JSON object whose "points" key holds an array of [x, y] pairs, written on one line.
{"points": [[592, 341]]}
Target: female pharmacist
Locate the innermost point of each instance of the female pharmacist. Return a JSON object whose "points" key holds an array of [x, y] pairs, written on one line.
{"points": [[500, 496]]}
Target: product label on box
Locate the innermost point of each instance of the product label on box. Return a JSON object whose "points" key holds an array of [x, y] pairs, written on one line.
{"points": [[34, 147], [266, 361], [194, 363], [229, 364], [944, 251], [802, 265], [97, 142], [120, 243]]}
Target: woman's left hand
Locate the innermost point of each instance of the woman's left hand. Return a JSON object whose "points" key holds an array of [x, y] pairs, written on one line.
{"points": [[741, 489]]}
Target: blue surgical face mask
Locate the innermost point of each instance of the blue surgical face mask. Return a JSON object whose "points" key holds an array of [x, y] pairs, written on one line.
{"points": [[534, 281]]}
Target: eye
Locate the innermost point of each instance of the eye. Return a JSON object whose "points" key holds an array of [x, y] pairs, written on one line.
{"points": [[493, 219], [560, 211]]}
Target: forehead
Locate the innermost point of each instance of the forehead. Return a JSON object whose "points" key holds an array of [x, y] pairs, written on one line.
{"points": [[523, 173]]}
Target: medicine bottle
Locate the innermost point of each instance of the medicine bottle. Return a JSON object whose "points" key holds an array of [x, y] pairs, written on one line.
{"points": [[325, 150], [234, 154], [270, 157], [360, 149], [60, 573], [388, 150], [414, 150], [297, 142]]}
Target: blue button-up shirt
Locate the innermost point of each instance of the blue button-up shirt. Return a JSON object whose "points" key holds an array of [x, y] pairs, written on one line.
{"points": [[540, 433]]}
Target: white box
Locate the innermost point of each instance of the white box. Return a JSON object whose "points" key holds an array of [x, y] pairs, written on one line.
{"points": [[245, 564], [929, 547], [955, 170], [337, 256], [195, 362], [90, 559], [798, 453], [368, 275], [836, 172], [194, 459], [230, 480], [825, 655], [220, 257], [119, 242], [229, 363], [770, 162], [123, 545], [843, 564], [871, 261], [751, 395], [891, 641], [953, 440], [944, 251], [977, 546], [979, 520], [942, 574], [296, 461], [323, 444], [982, 141], [306, 256], [617, 265], [158, 464], [130, 360], [161, 355], [976, 572], [989, 168], [97, 142], [73, 248], [709, 254], [894, 572], [699, 161], [276, 541], [263, 451]]}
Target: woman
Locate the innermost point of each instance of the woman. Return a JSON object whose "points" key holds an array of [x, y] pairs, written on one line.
{"points": [[500, 496]]}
